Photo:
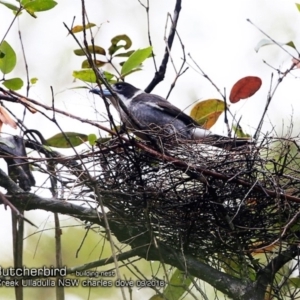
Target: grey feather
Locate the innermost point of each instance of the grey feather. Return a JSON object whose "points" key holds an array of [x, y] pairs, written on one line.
{"points": [[156, 115]]}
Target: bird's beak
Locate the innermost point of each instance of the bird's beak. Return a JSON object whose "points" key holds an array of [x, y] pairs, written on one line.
{"points": [[102, 93]]}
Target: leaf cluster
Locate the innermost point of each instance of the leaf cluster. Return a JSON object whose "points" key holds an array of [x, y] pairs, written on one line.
{"points": [[103, 57]]}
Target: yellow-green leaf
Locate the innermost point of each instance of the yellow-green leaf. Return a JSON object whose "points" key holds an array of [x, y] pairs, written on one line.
{"points": [[124, 54], [33, 80], [238, 130], [17, 12], [291, 44], [295, 282], [207, 112], [233, 266], [79, 28], [87, 75], [13, 83], [31, 12], [135, 60], [132, 71], [8, 58], [39, 5], [92, 138], [298, 6], [59, 140], [157, 297], [108, 75]]}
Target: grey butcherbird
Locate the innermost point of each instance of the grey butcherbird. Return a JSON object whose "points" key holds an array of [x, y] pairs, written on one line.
{"points": [[155, 115]]}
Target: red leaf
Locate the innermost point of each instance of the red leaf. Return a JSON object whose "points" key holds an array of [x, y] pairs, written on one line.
{"points": [[244, 88]]}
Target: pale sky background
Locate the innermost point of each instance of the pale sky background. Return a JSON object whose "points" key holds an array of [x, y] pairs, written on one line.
{"points": [[215, 32]]}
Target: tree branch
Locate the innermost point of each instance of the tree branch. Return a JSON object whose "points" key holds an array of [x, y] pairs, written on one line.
{"points": [[266, 276], [160, 75], [138, 238]]}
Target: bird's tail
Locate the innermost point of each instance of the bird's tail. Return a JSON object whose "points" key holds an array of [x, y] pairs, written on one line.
{"points": [[220, 141], [226, 142]]}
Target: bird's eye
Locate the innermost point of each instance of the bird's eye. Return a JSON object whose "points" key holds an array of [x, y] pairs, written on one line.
{"points": [[119, 86]]}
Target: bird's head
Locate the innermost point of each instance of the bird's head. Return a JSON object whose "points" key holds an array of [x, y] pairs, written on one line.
{"points": [[125, 91]]}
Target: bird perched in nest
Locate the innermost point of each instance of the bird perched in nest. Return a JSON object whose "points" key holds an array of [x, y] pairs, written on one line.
{"points": [[152, 114]]}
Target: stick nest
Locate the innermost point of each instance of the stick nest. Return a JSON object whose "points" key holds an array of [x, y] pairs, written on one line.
{"points": [[206, 200]]}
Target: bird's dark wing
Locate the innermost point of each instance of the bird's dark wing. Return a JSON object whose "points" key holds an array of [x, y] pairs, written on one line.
{"points": [[176, 113], [162, 105]]}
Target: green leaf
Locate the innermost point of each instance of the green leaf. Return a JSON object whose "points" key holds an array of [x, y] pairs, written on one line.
{"points": [[135, 60], [10, 6], [59, 140], [8, 62], [177, 286], [87, 75], [124, 54], [298, 6], [79, 28], [91, 49], [290, 44], [266, 42], [207, 112], [108, 76], [99, 63], [111, 78], [38, 5], [238, 130], [295, 282], [92, 138], [33, 80], [233, 266], [23, 2], [17, 12], [132, 71], [157, 297], [13, 83], [31, 13], [115, 41]]}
